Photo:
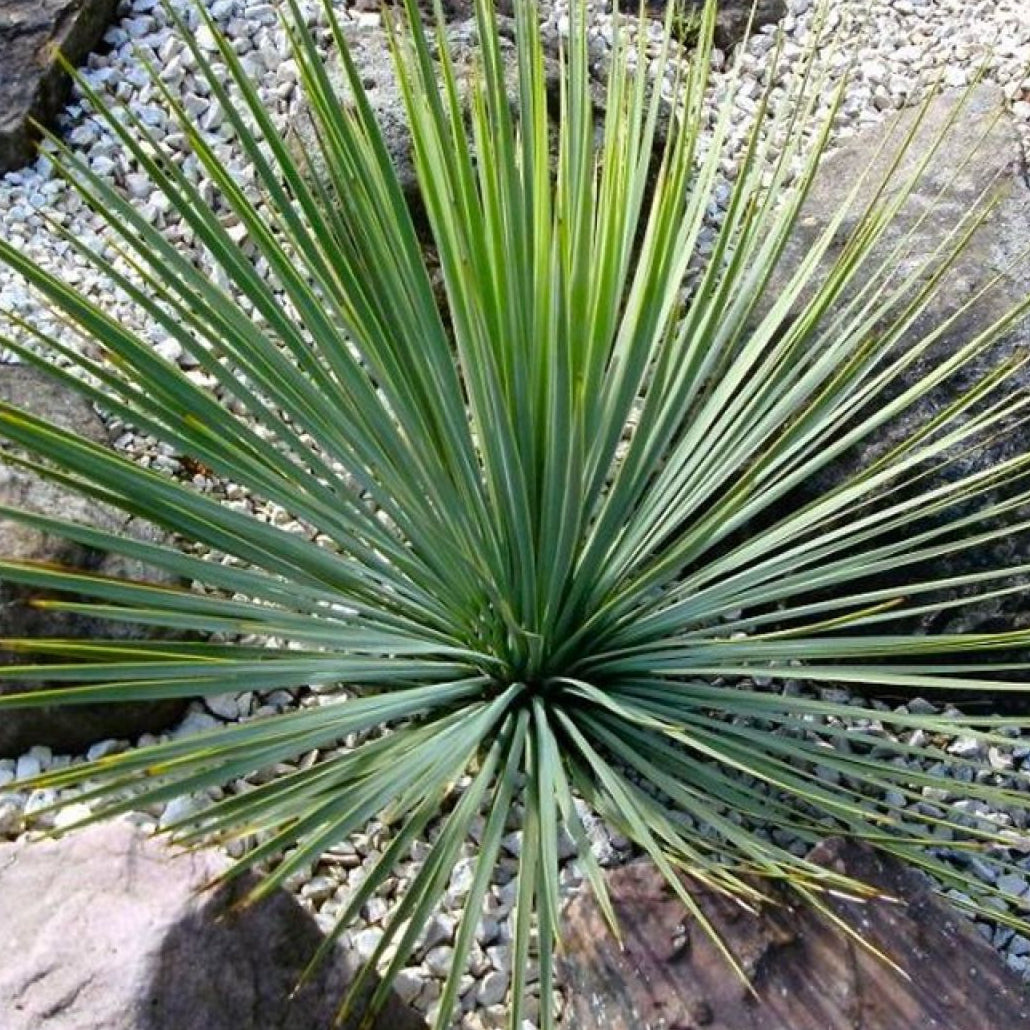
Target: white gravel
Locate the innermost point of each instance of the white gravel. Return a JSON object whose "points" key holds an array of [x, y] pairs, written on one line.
{"points": [[899, 49]]}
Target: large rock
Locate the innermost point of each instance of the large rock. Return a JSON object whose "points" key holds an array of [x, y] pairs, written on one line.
{"points": [[370, 50], [106, 929], [74, 727], [807, 974], [732, 17], [32, 85], [950, 187]]}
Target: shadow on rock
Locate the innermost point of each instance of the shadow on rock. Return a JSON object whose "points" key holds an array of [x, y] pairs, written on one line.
{"points": [[225, 968]]}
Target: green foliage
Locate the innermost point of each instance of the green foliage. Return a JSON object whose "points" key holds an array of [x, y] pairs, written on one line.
{"points": [[544, 535], [687, 22]]}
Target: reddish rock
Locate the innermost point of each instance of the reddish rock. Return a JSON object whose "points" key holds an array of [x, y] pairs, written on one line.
{"points": [[807, 974], [105, 930]]}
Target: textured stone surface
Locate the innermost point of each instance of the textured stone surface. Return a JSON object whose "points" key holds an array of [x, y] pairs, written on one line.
{"points": [[732, 16], [32, 85], [370, 51], [371, 54], [949, 188], [105, 930], [731, 21], [75, 727], [807, 974]]}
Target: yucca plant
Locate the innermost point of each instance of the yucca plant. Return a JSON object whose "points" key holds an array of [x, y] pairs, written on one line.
{"points": [[543, 487]]}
